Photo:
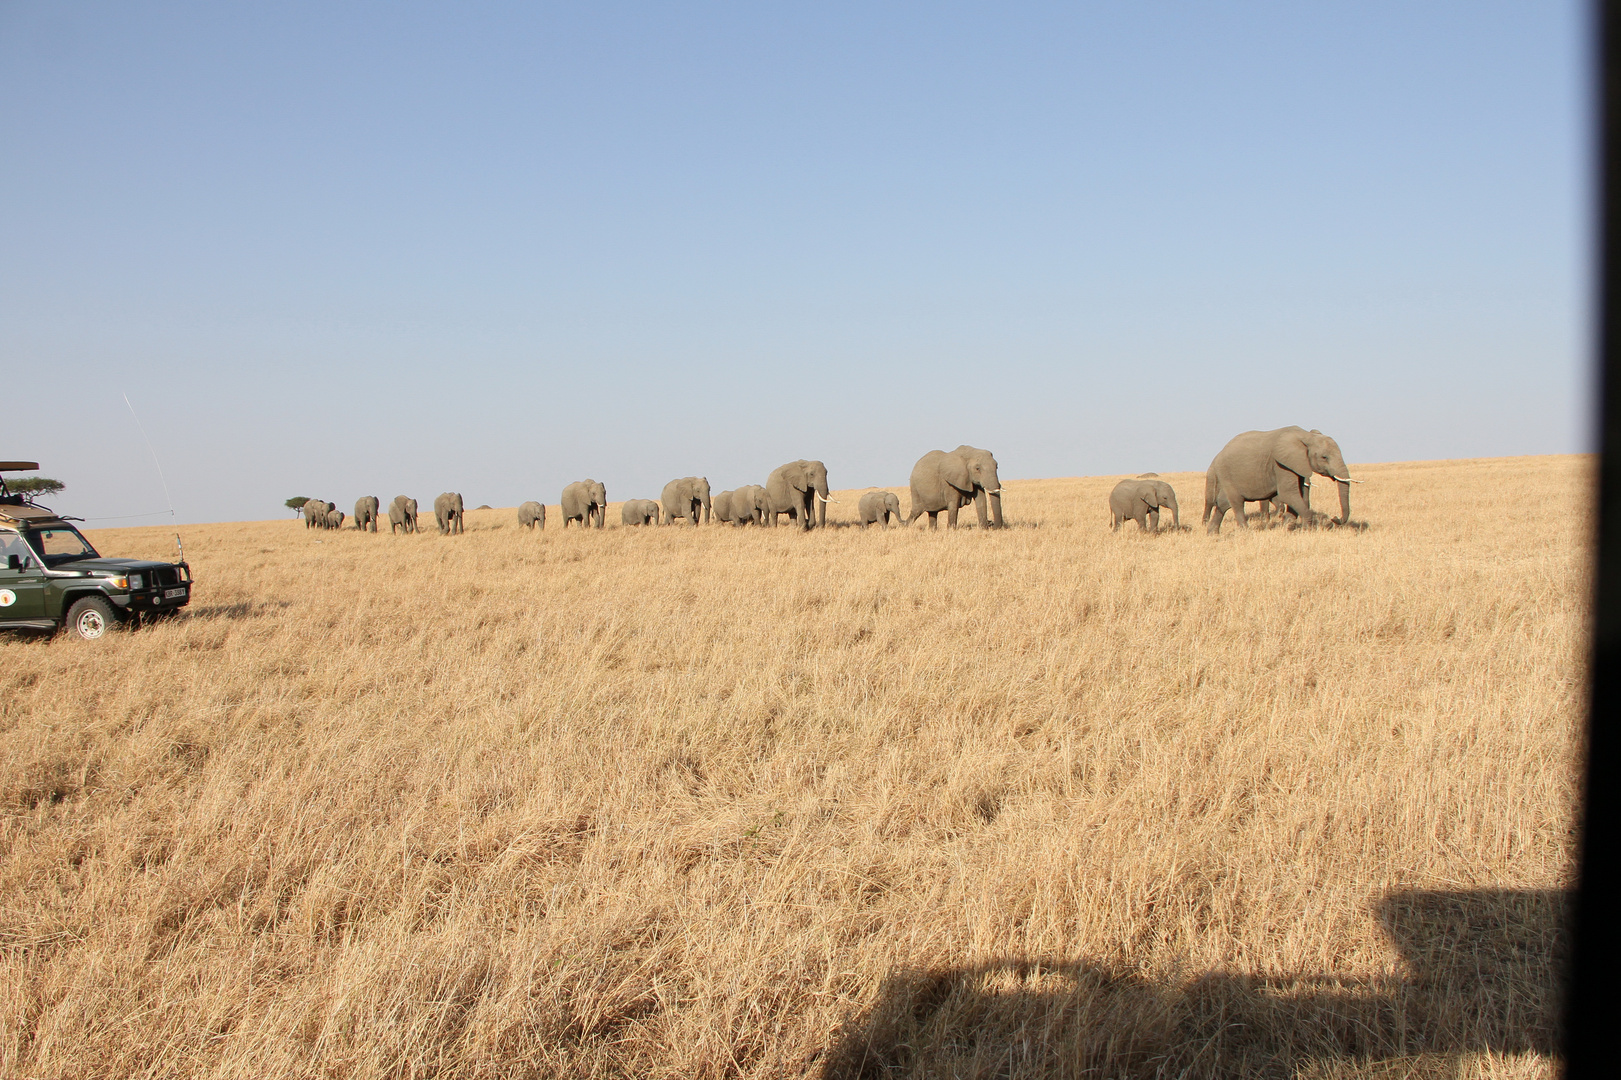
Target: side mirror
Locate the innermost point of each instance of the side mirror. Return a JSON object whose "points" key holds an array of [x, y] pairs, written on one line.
{"points": [[14, 562]]}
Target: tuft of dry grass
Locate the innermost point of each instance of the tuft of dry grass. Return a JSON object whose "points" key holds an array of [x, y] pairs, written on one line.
{"points": [[677, 802]]}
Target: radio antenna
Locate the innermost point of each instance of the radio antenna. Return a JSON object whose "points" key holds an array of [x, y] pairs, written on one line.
{"points": [[154, 454]]}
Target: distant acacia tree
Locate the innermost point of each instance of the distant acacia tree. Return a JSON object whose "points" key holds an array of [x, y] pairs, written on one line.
{"points": [[36, 485], [296, 503]]}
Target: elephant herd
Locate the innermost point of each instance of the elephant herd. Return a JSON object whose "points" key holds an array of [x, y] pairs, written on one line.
{"points": [[941, 481], [1272, 468]]}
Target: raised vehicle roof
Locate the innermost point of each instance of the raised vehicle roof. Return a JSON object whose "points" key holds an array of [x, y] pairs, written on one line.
{"points": [[26, 515], [18, 466]]}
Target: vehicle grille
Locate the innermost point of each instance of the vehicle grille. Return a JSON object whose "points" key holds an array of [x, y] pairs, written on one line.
{"points": [[166, 576]]}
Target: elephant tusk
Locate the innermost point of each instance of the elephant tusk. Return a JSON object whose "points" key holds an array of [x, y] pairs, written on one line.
{"points": [[1348, 480], [824, 498]]}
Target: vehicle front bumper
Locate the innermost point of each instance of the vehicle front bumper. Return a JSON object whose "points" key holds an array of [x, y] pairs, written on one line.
{"points": [[153, 599]]}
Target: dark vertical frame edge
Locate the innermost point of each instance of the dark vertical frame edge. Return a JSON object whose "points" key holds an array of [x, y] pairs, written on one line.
{"points": [[1590, 1041]]}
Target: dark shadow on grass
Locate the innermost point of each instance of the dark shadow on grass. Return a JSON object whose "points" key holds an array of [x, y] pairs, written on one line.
{"points": [[1482, 972]]}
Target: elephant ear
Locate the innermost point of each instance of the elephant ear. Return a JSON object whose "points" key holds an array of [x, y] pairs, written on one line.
{"points": [[1292, 454], [954, 471], [798, 477]]}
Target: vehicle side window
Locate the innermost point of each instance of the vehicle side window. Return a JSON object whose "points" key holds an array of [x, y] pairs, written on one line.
{"points": [[12, 544]]}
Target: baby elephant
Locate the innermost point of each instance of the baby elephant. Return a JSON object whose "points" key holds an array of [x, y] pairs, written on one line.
{"points": [[722, 506], [1140, 500], [532, 515], [639, 512], [879, 506]]}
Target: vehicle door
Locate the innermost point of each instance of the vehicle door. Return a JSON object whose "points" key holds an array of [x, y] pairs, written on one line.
{"points": [[22, 580]]}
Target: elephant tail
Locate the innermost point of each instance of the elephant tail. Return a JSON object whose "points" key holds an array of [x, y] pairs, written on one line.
{"points": [[1211, 489]]}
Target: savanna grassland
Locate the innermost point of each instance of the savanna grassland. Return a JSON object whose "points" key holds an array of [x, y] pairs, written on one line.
{"points": [[676, 802]]}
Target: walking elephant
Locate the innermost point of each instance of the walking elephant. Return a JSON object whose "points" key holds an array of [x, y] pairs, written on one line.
{"points": [[949, 481], [878, 507], [639, 512], [532, 515], [366, 513], [448, 512], [749, 504], [1277, 466], [315, 513], [585, 501], [333, 519], [1140, 501], [402, 514], [798, 489], [686, 498]]}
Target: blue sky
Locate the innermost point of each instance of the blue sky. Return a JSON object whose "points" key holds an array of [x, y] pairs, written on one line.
{"points": [[336, 250]]}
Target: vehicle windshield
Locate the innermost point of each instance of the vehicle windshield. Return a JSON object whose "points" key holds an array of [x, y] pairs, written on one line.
{"points": [[60, 544]]}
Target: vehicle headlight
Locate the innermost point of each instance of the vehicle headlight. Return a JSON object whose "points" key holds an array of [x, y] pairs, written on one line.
{"points": [[135, 581], [118, 582]]}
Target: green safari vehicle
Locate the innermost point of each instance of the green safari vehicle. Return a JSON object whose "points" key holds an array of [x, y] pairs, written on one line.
{"points": [[51, 577]]}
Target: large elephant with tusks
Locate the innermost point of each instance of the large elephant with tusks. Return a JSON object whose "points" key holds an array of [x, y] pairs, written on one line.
{"points": [[1276, 466], [798, 489], [949, 480], [448, 512], [585, 501], [687, 497], [366, 508]]}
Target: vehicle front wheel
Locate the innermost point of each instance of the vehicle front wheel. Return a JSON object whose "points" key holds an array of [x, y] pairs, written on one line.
{"points": [[91, 618]]}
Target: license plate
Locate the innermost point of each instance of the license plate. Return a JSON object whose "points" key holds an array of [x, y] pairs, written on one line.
{"points": [[173, 594]]}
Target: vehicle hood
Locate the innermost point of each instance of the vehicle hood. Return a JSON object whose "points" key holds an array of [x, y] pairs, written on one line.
{"points": [[108, 566]]}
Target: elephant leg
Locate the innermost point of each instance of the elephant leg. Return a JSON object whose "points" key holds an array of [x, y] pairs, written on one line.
{"points": [[1292, 490], [1153, 518], [1218, 510], [1239, 516], [934, 519], [953, 504], [979, 508]]}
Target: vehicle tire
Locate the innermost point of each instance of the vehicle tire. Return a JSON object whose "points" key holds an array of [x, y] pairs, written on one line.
{"points": [[92, 618]]}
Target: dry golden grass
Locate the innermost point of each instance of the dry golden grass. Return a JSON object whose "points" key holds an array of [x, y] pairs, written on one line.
{"points": [[669, 802]]}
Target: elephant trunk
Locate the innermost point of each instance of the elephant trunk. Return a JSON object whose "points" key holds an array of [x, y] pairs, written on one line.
{"points": [[1345, 501]]}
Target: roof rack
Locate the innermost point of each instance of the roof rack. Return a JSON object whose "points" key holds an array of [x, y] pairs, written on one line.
{"points": [[24, 514]]}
